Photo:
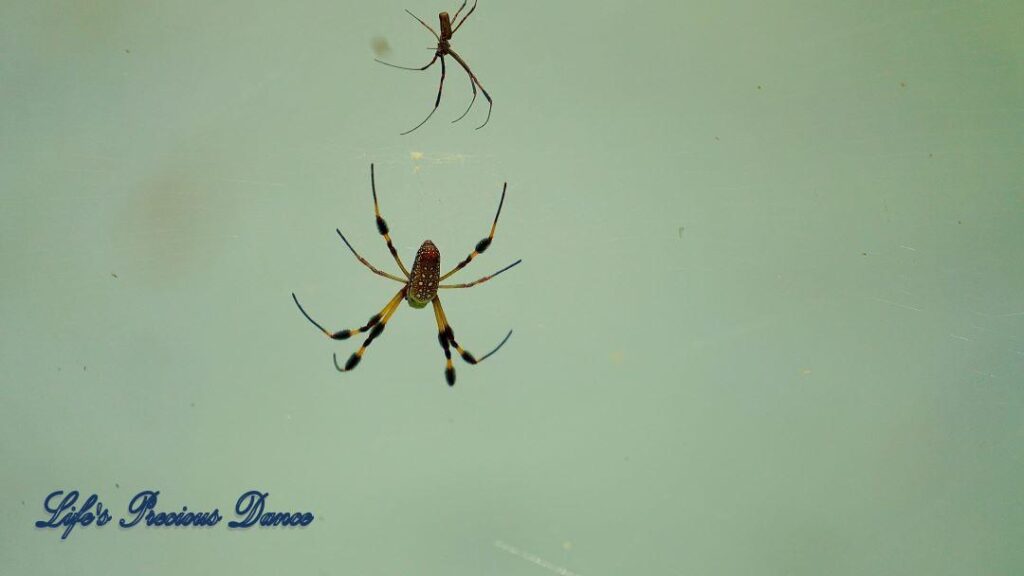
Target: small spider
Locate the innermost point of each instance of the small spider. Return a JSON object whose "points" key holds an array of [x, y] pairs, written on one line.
{"points": [[419, 288], [444, 49]]}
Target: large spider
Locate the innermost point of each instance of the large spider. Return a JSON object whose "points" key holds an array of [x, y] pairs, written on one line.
{"points": [[444, 49], [419, 288]]}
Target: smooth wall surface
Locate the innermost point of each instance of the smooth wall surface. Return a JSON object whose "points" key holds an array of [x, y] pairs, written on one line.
{"points": [[769, 320]]}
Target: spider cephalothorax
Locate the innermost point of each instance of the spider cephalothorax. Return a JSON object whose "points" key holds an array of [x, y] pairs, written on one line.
{"points": [[419, 288]]}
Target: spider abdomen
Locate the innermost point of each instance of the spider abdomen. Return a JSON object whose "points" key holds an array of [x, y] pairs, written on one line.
{"points": [[446, 25], [424, 276]]}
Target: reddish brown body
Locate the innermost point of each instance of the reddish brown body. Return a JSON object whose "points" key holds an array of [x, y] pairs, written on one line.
{"points": [[424, 276], [446, 26]]}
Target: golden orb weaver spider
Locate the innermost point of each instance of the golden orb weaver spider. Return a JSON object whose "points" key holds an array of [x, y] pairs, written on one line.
{"points": [[443, 49], [420, 287]]}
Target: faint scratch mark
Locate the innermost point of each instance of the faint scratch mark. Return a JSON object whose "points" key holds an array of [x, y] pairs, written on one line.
{"points": [[960, 337], [534, 559], [989, 374], [257, 182], [451, 158], [1007, 315], [908, 248], [908, 307], [87, 170], [440, 158]]}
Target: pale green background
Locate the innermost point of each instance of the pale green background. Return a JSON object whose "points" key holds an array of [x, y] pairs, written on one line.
{"points": [[770, 318]]}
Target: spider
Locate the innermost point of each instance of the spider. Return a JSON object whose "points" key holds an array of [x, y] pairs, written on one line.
{"points": [[419, 288], [444, 49]]}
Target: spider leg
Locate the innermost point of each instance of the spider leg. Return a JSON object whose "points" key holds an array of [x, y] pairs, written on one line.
{"points": [[472, 85], [432, 31], [428, 65], [367, 264], [456, 28], [490, 102], [446, 336], [437, 102], [382, 226], [344, 334], [481, 280], [442, 337], [482, 245], [456, 17], [376, 331]]}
